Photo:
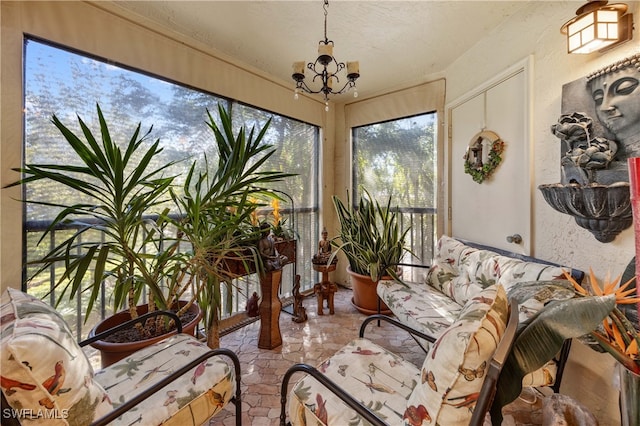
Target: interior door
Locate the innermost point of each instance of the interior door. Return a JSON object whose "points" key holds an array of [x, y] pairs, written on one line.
{"points": [[499, 208]]}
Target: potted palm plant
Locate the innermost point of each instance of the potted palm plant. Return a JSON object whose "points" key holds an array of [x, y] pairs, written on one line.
{"points": [[124, 195], [373, 242], [120, 193], [215, 217]]}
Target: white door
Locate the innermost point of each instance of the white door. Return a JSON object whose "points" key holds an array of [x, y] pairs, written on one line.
{"points": [[498, 208]]}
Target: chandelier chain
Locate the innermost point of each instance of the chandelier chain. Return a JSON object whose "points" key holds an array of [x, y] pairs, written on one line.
{"points": [[326, 12]]}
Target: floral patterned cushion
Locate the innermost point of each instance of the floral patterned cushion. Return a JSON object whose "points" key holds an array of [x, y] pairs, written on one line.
{"points": [[420, 306], [446, 266], [462, 271], [56, 384], [392, 387], [46, 376], [380, 379], [191, 399], [453, 371]]}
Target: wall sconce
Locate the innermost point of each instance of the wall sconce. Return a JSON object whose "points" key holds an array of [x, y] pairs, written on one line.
{"points": [[598, 26]]}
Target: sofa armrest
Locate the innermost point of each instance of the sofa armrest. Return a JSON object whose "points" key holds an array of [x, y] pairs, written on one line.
{"points": [[129, 323], [396, 323], [111, 416]]}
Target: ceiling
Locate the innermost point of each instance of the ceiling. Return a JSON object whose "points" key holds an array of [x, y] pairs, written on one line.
{"points": [[398, 43]]}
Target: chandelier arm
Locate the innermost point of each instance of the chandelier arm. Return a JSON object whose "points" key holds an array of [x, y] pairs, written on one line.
{"points": [[348, 85], [302, 85]]}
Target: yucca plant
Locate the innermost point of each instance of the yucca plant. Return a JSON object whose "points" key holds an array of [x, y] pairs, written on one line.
{"points": [[120, 188], [370, 236], [125, 198], [215, 216]]}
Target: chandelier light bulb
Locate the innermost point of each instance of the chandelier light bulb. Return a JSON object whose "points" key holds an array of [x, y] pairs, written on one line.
{"points": [[326, 106]]}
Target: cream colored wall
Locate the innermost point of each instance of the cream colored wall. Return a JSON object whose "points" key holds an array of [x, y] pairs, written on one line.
{"points": [[556, 236]]}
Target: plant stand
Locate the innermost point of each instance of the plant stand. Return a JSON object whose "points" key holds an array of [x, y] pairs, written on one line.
{"points": [[270, 306], [325, 290]]}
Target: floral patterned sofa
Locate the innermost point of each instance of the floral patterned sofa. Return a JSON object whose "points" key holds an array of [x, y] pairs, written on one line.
{"points": [[47, 378], [459, 272]]}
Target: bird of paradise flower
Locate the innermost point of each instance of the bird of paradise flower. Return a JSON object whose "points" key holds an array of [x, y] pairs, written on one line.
{"points": [[618, 336]]}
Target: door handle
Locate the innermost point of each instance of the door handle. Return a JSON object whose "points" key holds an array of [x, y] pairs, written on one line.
{"points": [[515, 239]]}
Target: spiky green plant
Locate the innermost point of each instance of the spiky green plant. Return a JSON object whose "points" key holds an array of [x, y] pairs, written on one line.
{"points": [[120, 192], [371, 237], [119, 187], [215, 215]]}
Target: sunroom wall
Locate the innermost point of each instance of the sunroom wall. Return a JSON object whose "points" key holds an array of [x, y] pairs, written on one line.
{"points": [[556, 236]]}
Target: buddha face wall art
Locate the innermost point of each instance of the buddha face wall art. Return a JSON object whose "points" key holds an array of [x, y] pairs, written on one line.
{"points": [[599, 128]]}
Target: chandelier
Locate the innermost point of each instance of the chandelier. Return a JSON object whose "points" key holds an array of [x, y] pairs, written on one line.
{"points": [[325, 69]]}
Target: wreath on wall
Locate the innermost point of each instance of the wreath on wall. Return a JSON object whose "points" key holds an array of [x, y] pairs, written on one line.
{"points": [[483, 155]]}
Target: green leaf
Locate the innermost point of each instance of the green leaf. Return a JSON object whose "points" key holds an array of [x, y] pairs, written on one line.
{"points": [[539, 340]]}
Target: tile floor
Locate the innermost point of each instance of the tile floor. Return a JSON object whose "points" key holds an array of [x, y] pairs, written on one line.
{"points": [[311, 342]]}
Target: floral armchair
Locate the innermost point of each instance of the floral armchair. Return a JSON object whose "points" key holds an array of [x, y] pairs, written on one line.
{"points": [[47, 378], [364, 383]]}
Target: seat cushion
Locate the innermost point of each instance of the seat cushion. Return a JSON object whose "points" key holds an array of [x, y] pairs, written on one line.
{"points": [[44, 371], [378, 378], [447, 267], [454, 369], [420, 306], [191, 399]]}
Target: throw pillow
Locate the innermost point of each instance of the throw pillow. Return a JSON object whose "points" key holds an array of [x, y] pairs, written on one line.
{"points": [[454, 369]]}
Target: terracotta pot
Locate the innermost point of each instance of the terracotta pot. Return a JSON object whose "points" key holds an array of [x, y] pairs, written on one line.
{"points": [[365, 298], [113, 352]]}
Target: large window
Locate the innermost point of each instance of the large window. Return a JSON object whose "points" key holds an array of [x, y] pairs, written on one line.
{"points": [[67, 83], [397, 159]]}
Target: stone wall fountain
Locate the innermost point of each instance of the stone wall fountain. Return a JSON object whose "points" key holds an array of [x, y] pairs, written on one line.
{"points": [[594, 185], [603, 209]]}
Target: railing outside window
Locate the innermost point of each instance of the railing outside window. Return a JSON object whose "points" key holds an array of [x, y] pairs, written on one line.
{"points": [[421, 240]]}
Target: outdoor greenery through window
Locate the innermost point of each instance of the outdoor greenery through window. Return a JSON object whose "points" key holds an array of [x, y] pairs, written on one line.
{"points": [[398, 159], [68, 84]]}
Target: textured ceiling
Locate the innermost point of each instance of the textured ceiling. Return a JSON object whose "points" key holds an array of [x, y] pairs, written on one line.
{"points": [[398, 43]]}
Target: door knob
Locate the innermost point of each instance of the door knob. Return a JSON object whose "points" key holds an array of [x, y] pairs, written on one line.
{"points": [[515, 239]]}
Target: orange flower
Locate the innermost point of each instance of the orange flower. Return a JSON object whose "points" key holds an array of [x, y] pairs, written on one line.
{"points": [[276, 211], [618, 336], [609, 287]]}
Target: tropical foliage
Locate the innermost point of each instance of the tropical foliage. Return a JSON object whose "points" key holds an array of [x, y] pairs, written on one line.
{"points": [[216, 215], [128, 199], [616, 335], [118, 194], [178, 113], [370, 236], [596, 312]]}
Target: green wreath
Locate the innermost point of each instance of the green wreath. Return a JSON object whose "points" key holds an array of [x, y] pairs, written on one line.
{"points": [[479, 174]]}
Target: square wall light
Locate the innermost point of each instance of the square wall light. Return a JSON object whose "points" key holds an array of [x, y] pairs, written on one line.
{"points": [[598, 26]]}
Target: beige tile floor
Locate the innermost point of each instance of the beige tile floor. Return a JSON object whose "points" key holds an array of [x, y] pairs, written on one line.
{"points": [[311, 342]]}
